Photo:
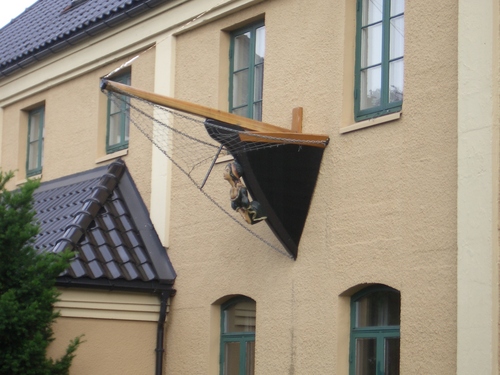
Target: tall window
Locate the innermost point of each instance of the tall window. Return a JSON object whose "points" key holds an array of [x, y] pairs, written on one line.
{"points": [[248, 48], [34, 160], [375, 321], [237, 352], [379, 57], [118, 118]]}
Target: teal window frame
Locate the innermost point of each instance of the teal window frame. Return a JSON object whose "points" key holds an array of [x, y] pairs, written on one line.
{"points": [[254, 89], [36, 141], [122, 112], [380, 333], [385, 106], [234, 337]]}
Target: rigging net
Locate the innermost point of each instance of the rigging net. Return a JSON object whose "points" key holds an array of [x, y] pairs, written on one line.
{"points": [[193, 145]]}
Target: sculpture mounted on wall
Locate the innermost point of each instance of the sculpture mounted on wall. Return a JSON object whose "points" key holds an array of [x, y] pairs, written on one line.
{"points": [[250, 211], [280, 171]]}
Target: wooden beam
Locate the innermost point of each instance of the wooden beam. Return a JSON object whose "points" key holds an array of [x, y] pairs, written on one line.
{"points": [[229, 118], [314, 140], [194, 109]]}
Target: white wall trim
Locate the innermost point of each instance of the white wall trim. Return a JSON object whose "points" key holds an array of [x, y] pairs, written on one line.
{"points": [[477, 196], [161, 168]]}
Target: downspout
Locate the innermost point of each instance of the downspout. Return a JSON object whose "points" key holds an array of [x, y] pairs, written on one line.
{"points": [[160, 350]]}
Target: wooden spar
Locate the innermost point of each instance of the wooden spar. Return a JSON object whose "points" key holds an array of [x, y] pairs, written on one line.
{"points": [[313, 140], [215, 114]]}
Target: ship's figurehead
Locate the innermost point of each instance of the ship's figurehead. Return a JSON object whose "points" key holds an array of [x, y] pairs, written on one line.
{"points": [[251, 211]]}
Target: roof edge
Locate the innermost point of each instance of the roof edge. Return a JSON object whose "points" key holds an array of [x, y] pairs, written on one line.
{"points": [[147, 231], [152, 287], [91, 207], [79, 34]]}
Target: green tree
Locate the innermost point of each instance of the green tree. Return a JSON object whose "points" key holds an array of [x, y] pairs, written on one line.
{"points": [[27, 289]]}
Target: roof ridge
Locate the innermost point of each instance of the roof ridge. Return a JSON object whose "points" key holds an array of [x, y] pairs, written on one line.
{"points": [[91, 207]]}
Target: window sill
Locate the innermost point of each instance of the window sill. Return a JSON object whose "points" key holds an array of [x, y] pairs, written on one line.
{"points": [[112, 156], [34, 177], [370, 122]]}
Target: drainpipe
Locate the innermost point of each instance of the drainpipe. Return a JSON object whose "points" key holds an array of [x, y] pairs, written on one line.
{"points": [[160, 333]]}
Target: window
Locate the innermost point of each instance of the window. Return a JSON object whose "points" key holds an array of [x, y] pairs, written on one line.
{"points": [[375, 320], [118, 118], [36, 130], [237, 351], [247, 71], [379, 58]]}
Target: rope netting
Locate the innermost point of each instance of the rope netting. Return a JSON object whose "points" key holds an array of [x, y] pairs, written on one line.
{"points": [[193, 145]]}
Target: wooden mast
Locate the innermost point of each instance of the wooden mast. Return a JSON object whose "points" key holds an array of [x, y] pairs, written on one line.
{"points": [[260, 128]]}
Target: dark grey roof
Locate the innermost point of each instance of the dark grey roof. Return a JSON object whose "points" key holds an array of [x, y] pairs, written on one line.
{"points": [[101, 216], [49, 26]]}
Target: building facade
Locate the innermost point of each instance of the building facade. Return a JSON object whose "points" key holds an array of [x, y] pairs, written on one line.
{"points": [[397, 265]]}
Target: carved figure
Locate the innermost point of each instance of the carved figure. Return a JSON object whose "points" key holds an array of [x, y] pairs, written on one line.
{"points": [[250, 211]]}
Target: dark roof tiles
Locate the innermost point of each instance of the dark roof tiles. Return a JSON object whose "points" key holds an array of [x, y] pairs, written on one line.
{"points": [[91, 215], [49, 26]]}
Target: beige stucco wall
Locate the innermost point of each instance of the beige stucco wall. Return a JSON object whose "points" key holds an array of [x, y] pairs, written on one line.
{"points": [[109, 347], [384, 208], [119, 334], [75, 128], [119, 331]]}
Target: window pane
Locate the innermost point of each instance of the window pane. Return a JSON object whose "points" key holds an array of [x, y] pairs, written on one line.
{"points": [[241, 51], [397, 7], [35, 139], [372, 11], [370, 87], [41, 156], [371, 45], [127, 125], [240, 88], [257, 111], [34, 126], [260, 45], [118, 117], [366, 357], [115, 104], [247, 74], [250, 365], [258, 80], [396, 75], [378, 309], [240, 317], [397, 37], [242, 111], [232, 358], [125, 79], [391, 356], [114, 129], [33, 155]]}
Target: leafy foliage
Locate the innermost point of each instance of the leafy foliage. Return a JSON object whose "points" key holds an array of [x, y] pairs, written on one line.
{"points": [[27, 289]]}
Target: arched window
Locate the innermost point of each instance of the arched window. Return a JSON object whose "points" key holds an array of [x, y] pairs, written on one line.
{"points": [[237, 351], [375, 320]]}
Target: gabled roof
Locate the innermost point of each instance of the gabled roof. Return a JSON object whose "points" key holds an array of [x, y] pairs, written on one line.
{"points": [[49, 26], [100, 215]]}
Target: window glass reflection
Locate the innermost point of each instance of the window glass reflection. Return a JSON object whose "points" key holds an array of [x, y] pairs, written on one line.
{"points": [[240, 317], [380, 308]]}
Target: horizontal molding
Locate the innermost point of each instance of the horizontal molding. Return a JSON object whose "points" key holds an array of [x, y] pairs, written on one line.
{"points": [[370, 122], [108, 305], [112, 156]]}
